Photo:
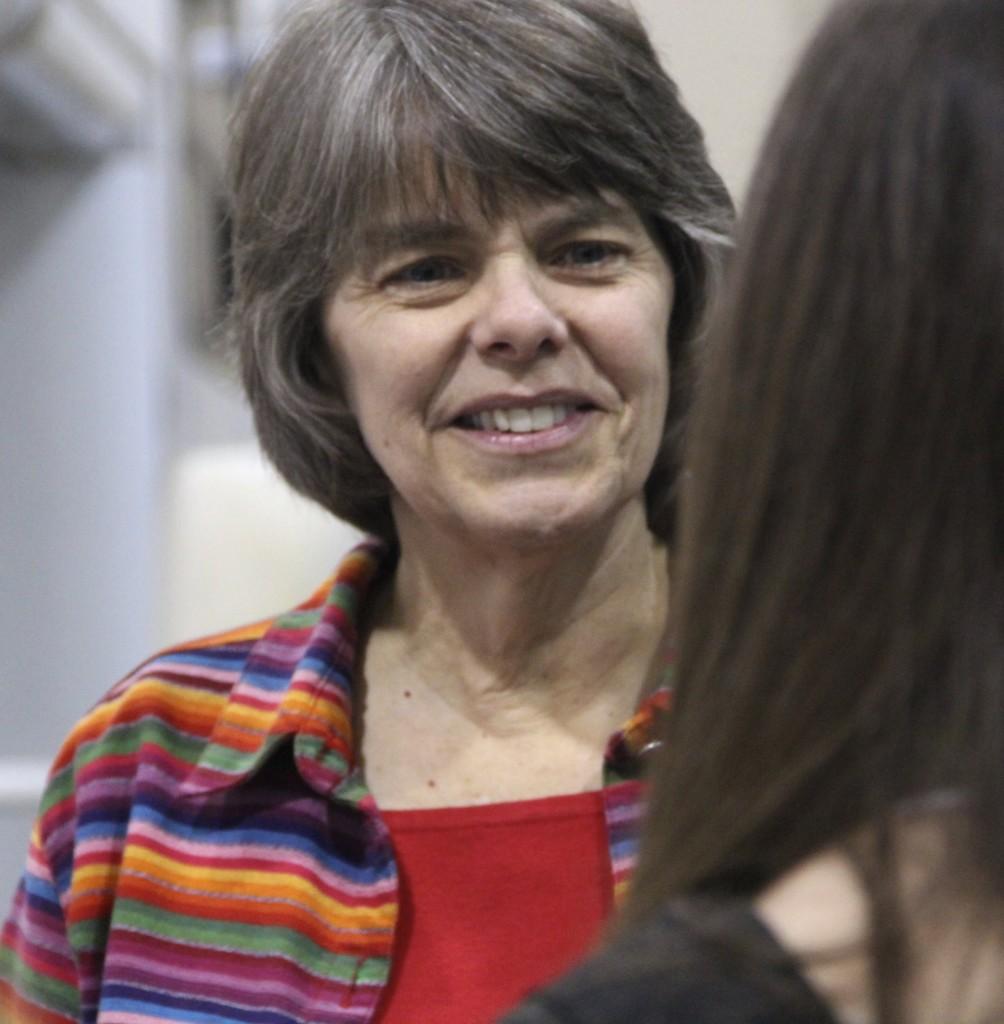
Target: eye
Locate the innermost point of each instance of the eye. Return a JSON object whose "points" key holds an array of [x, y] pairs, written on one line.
{"points": [[588, 254], [424, 273]]}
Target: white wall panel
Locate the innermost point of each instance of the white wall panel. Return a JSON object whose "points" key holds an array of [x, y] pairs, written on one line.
{"points": [[731, 59], [86, 327]]}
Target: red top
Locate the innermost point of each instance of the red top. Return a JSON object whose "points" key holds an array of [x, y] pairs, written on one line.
{"points": [[496, 900]]}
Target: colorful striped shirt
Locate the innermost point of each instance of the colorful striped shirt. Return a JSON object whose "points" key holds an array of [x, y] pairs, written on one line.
{"points": [[207, 852]]}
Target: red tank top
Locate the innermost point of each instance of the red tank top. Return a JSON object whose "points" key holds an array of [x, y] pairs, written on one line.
{"points": [[495, 901]]}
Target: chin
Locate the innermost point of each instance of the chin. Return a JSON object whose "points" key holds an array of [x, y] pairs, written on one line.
{"points": [[546, 525]]}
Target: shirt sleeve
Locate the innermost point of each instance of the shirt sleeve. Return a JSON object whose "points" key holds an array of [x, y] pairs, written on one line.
{"points": [[38, 973]]}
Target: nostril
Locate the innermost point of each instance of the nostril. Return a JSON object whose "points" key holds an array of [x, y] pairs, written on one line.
{"points": [[521, 345]]}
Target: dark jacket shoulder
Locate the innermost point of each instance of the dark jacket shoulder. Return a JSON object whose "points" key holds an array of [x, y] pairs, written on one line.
{"points": [[700, 961]]}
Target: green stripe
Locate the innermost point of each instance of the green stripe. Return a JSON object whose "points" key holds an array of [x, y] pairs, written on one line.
{"points": [[124, 738], [53, 995], [298, 619], [236, 762], [242, 938], [59, 788]]}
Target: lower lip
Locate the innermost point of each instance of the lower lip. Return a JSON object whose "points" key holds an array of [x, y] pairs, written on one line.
{"points": [[508, 442]]}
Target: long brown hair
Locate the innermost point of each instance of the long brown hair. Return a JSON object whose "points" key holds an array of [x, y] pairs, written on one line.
{"points": [[841, 588]]}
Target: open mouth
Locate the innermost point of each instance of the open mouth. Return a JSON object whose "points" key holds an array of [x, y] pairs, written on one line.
{"points": [[521, 419]]}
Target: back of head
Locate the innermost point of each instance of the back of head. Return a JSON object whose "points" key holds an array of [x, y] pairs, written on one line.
{"points": [[361, 108], [842, 591]]}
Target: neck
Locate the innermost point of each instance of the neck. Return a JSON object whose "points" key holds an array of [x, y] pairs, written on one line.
{"points": [[539, 620], [514, 664], [820, 912]]}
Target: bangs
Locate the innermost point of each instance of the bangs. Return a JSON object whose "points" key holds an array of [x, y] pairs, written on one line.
{"points": [[417, 155]]}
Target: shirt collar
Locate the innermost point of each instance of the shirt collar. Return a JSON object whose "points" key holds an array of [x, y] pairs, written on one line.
{"points": [[297, 685], [629, 750]]}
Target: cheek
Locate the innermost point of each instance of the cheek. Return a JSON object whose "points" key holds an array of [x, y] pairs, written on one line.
{"points": [[363, 364], [641, 367], [654, 329], [386, 388], [340, 353], [637, 353], [376, 407], [382, 379], [654, 392]]}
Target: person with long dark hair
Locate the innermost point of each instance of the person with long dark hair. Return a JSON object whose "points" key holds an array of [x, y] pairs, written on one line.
{"points": [[825, 839]]}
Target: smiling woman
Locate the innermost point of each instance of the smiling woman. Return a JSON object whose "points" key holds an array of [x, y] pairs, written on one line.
{"points": [[474, 240], [510, 376]]}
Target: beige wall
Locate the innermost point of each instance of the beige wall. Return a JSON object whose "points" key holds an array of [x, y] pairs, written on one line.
{"points": [[731, 59]]}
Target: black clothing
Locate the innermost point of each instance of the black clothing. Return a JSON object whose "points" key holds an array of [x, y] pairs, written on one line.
{"points": [[701, 961]]}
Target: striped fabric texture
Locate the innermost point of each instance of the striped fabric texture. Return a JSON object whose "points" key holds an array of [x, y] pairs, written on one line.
{"points": [[206, 851]]}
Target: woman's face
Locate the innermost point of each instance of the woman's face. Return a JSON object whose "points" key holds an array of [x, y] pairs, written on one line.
{"points": [[509, 376]]}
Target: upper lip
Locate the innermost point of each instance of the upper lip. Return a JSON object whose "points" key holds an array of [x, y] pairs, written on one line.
{"points": [[511, 400]]}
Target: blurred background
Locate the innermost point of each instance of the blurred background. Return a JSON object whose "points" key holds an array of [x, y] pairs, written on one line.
{"points": [[134, 510]]}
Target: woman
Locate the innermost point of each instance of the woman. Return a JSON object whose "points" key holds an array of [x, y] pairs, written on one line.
{"points": [[826, 840], [473, 242]]}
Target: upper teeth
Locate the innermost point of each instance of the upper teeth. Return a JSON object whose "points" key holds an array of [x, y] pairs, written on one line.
{"points": [[523, 421]]}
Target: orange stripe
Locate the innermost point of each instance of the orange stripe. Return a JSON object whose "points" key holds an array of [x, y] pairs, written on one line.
{"points": [[17, 1010], [373, 929]]}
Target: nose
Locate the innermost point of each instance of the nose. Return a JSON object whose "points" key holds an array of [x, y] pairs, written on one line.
{"points": [[516, 320]]}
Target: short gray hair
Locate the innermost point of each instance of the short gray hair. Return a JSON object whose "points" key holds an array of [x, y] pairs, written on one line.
{"points": [[346, 113]]}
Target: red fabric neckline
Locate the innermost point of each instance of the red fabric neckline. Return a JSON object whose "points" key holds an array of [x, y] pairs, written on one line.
{"points": [[496, 900], [505, 813]]}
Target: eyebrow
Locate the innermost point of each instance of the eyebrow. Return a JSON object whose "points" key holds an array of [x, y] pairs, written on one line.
{"points": [[412, 233], [582, 213], [381, 240], [565, 217]]}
